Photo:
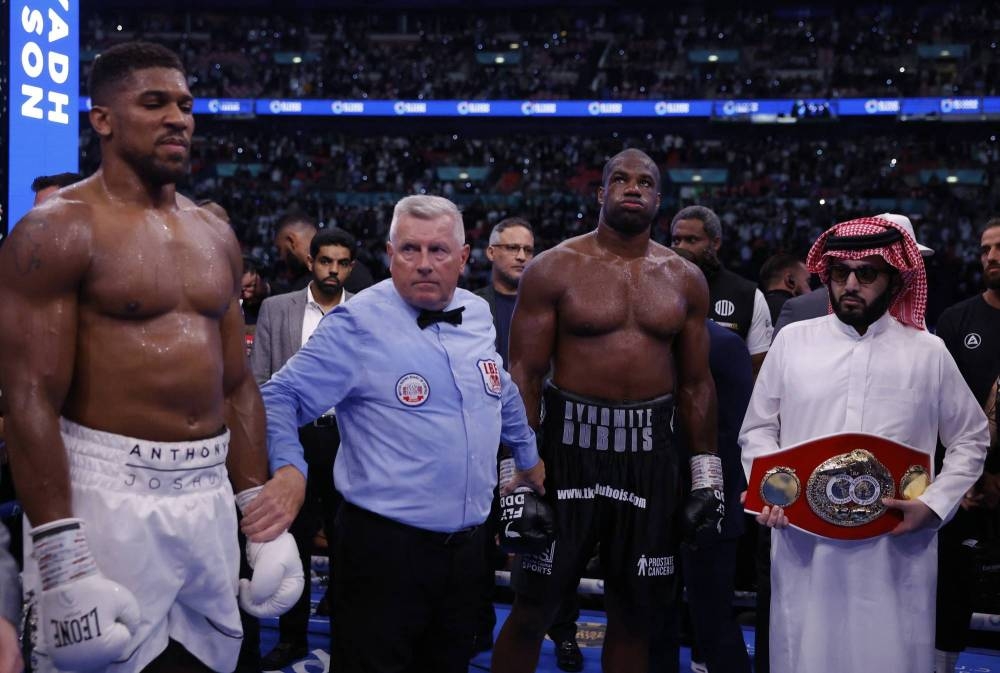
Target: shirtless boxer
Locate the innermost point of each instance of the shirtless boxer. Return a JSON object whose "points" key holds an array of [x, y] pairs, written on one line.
{"points": [[621, 319], [130, 402]]}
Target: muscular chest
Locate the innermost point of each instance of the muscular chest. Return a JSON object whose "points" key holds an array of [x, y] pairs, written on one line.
{"points": [[160, 266], [635, 297]]}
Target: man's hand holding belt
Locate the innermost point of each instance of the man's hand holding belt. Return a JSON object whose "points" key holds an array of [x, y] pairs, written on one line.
{"points": [[87, 621], [706, 506], [278, 578]]}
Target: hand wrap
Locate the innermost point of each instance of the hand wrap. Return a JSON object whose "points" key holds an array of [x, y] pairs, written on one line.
{"points": [[706, 506], [87, 621]]}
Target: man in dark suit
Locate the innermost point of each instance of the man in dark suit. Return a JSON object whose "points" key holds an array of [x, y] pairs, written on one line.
{"points": [[285, 323]]}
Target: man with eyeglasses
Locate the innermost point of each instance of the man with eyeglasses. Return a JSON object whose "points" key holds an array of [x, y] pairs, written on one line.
{"points": [[512, 246], [870, 367], [285, 323]]}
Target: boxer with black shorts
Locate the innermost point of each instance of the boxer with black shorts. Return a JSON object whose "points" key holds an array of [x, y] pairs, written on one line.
{"points": [[618, 481], [620, 320]]}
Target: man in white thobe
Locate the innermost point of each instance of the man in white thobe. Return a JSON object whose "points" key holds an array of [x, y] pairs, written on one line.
{"points": [[863, 605]]}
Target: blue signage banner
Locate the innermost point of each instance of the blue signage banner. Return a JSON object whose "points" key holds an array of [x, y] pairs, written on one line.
{"points": [[44, 129], [484, 108], [941, 106], [788, 108], [785, 109], [223, 106], [862, 107]]}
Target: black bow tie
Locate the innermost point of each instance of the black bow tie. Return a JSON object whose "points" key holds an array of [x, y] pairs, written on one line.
{"points": [[427, 318]]}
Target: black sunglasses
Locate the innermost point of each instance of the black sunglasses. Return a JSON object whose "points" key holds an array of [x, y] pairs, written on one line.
{"points": [[866, 275]]}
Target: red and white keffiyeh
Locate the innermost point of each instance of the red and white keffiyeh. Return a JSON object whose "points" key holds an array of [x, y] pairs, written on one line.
{"points": [[910, 304]]}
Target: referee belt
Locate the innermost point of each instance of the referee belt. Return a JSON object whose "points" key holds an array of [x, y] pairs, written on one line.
{"points": [[833, 486], [445, 539]]}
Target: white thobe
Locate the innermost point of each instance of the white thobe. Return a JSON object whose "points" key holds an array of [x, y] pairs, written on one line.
{"points": [[864, 605]]}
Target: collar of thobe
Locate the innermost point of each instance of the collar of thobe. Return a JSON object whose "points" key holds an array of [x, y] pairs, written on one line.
{"points": [[877, 327]]}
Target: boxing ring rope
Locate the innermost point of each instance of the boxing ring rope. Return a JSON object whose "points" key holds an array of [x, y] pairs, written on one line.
{"points": [[590, 586]]}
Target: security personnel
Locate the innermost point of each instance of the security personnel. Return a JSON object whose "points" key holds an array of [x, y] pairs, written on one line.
{"points": [[734, 301]]}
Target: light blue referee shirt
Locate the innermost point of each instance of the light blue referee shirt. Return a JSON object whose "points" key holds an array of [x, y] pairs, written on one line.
{"points": [[421, 412]]}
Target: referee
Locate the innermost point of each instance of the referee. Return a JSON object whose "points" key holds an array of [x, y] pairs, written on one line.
{"points": [[422, 402]]}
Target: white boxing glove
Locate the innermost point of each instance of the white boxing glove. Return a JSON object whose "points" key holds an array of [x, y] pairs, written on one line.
{"points": [[277, 580], [87, 621]]}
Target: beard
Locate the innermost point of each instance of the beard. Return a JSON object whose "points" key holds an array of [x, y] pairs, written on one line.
{"points": [[508, 280], [861, 318], [162, 172], [627, 222], [329, 289], [709, 263], [991, 280]]}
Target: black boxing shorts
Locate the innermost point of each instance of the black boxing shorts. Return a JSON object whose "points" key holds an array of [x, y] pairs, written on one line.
{"points": [[612, 477]]}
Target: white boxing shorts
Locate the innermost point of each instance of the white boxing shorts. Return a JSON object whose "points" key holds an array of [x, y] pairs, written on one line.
{"points": [[161, 521]]}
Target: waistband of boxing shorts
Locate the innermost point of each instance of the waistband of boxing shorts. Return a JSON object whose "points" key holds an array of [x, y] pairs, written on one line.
{"points": [[621, 426], [114, 462], [661, 403]]}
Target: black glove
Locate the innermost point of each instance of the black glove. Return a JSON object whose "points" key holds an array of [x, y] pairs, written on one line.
{"points": [[527, 522], [706, 506], [703, 514]]}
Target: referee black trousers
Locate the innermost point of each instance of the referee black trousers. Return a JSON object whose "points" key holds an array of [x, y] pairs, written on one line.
{"points": [[404, 599]]}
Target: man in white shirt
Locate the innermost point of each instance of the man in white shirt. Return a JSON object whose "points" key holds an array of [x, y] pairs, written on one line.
{"points": [[285, 323], [869, 367]]}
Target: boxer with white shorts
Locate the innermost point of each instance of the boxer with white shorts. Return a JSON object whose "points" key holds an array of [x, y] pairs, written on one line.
{"points": [[171, 520], [119, 318]]}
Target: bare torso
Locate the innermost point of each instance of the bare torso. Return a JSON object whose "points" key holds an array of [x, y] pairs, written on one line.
{"points": [[149, 358], [616, 319]]}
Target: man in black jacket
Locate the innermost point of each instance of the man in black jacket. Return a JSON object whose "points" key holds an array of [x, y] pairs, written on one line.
{"points": [[734, 301]]}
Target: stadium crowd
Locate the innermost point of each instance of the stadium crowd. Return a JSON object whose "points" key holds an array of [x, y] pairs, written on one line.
{"points": [[920, 49], [778, 190]]}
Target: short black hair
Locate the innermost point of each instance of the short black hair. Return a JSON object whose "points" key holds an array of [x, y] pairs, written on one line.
{"points": [[606, 173], [118, 62], [331, 236], [297, 218], [775, 265], [990, 223], [57, 180]]}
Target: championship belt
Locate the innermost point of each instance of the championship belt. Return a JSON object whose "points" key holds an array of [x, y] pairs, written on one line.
{"points": [[833, 486]]}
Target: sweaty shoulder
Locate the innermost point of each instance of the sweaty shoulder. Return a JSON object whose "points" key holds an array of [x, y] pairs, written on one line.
{"points": [[572, 250], [210, 219], [549, 270], [58, 232]]}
